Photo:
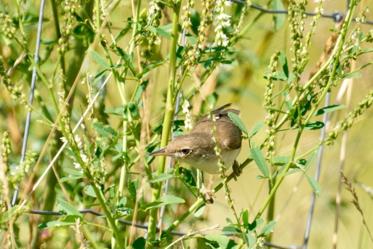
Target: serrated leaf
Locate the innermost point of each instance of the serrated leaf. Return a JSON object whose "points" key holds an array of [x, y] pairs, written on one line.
{"points": [[258, 157], [330, 108], [238, 122], [314, 184]]}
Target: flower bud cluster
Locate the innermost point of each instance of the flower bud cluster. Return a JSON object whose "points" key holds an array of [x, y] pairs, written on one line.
{"points": [[350, 119]]}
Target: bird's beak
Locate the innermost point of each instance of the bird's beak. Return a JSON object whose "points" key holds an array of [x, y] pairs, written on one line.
{"points": [[160, 152]]}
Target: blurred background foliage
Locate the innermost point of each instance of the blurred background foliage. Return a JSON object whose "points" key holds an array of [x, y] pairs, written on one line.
{"points": [[82, 42]]}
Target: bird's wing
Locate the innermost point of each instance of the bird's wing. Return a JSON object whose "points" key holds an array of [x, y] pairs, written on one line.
{"points": [[219, 113]]}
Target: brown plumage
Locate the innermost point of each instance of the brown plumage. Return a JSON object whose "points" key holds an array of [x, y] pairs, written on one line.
{"points": [[197, 147]]}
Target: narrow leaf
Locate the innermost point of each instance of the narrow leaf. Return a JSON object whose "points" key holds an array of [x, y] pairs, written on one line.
{"points": [[258, 125], [268, 228], [258, 157], [314, 184], [238, 122], [99, 59], [314, 125], [165, 200], [55, 223], [330, 108]]}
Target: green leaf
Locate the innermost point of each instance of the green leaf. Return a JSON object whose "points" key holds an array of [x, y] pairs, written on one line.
{"points": [[7, 215], [139, 243], [314, 125], [165, 200], [352, 75], [245, 217], [258, 157], [257, 126], [230, 230], [251, 238], [330, 108], [164, 30], [162, 177], [278, 20], [268, 228], [68, 208], [99, 59], [127, 59], [314, 184], [88, 190], [139, 90], [281, 160], [55, 223], [223, 242], [284, 63], [104, 130], [195, 20], [238, 122], [119, 111]]}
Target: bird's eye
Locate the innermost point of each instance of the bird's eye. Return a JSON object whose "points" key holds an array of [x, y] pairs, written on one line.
{"points": [[186, 151]]}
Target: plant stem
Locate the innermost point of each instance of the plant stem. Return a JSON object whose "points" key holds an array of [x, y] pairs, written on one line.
{"points": [[201, 202], [167, 121], [334, 60]]}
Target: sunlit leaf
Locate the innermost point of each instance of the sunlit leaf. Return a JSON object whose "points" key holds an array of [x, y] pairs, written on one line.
{"points": [[330, 108], [238, 122], [258, 157]]}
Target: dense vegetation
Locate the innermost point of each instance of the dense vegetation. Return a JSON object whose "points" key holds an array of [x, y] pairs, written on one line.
{"points": [[89, 88]]}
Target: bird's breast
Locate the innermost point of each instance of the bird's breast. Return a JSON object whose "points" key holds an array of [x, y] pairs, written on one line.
{"points": [[209, 164]]}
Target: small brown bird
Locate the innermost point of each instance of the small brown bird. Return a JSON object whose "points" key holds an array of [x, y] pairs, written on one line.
{"points": [[197, 148]]}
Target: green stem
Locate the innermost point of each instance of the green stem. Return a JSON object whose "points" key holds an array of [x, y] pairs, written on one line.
{"points": [[167, 121], [271, 206], [334, 55], [334, 60], [201, 202], [282, 175]]}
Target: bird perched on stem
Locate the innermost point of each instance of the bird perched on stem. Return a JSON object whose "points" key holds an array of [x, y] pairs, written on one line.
{"points": [[197, 148]]}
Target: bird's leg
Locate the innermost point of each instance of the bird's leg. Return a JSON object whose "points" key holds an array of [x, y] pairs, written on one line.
{"points": [[205, 192], [236, 170]]}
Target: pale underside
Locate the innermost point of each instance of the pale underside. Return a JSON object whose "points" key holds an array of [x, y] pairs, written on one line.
{"points": [[209, 164]]}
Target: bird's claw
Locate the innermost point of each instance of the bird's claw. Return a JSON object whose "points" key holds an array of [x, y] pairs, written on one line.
{"points": [[207, 195]]}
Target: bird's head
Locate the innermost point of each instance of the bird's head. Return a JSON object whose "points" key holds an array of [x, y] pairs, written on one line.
{"points": [[186, 146]]}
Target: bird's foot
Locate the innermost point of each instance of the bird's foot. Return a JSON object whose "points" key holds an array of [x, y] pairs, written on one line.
{"points": [[207, 195], [236, 170]]}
